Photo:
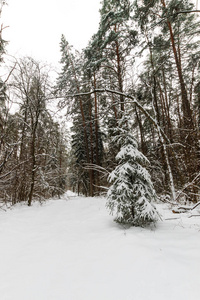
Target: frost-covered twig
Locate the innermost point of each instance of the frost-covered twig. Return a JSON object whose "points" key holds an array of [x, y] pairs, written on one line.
{"points": [[101, 187]]}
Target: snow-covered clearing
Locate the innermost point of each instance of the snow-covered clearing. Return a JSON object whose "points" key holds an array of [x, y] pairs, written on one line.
{"points": [[70, 249]]}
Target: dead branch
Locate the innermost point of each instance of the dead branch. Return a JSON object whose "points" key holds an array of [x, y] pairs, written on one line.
{"points": [[187, 185], [187, 11], [10, 73], [194, 216], [169, 219], [184, 209]]}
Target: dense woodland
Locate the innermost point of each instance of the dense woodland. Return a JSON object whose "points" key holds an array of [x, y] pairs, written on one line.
{"points": [[135, 87]]}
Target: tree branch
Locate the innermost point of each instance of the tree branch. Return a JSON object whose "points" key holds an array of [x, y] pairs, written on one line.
{"points": [[186, 12], [184, 209], [134, 101]]}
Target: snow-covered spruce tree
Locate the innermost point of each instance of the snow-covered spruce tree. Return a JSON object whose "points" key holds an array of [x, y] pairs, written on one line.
{"points": [[131, 194]]}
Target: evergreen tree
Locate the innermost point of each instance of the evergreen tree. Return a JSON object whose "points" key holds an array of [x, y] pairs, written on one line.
{"points": [[112, 46], [131, 193]]}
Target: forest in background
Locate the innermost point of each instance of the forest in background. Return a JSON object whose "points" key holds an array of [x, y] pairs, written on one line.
{"points": [[142, 66]]}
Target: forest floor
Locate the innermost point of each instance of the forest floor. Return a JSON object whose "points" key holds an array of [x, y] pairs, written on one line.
{"points": [[70, 249]]}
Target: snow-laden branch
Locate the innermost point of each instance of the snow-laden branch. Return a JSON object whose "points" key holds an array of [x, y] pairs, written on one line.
{"points": [[96, 168]]}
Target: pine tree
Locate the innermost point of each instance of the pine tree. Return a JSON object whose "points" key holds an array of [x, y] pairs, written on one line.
{"points": [[131, 193]]}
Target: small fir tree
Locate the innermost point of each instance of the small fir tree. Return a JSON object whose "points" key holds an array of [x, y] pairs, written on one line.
{"points": [[131, 193]]}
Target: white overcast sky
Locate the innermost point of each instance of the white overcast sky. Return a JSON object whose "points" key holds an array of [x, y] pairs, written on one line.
{"points": [[35, 27]]}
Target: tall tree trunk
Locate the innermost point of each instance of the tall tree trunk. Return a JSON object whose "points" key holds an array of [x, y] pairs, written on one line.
{"points": [[119, 72], [34, 126], [96, 131], [91, 152], [187, 113]]}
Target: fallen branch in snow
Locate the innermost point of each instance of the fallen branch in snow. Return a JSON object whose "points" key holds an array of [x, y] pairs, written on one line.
{"points": [[184, 209], [169, 219], [194, 216], [1, 207]]}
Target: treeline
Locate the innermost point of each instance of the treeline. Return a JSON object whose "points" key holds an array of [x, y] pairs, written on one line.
{"points": [[144, 60], [33, 147]]}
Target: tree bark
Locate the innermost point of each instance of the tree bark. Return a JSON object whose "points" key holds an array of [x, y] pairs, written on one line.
{"points": [[187, 113]]}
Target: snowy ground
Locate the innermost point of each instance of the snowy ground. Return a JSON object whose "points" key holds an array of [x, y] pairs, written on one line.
{"points": [[70, 249]]}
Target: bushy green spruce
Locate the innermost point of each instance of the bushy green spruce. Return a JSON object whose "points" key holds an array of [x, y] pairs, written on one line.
{"points": [[131, 193]]}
